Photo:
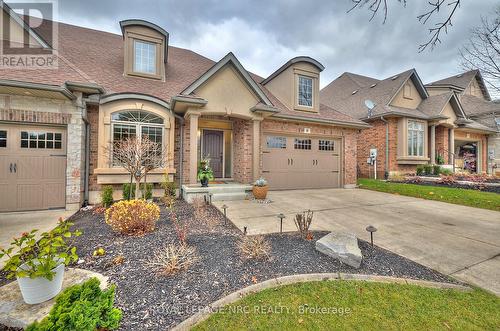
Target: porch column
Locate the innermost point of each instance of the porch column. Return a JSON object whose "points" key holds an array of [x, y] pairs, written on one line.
{"points": [[451, 147], [193, 147], [256, 149], [433, 144]]}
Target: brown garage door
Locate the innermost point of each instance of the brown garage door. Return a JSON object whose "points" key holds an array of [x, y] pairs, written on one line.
{"points": [[32, 167], [301, 162]]}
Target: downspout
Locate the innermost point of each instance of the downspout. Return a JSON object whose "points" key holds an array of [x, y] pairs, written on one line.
{"points": [[487, 155], [386, 171], [87, 163], [181, 149]]}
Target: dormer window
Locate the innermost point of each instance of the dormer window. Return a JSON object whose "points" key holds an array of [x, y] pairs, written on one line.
{"points": [[145, 57], [305, 91], [145, 49]]}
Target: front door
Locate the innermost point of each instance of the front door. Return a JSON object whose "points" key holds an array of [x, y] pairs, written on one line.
{"points": [[213, 150]]}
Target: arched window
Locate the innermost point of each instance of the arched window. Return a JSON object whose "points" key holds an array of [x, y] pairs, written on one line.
{"points": [[132, 123]]}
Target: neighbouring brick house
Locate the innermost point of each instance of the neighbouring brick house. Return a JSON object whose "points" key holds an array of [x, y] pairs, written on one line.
{"points": [[57, 125], [448, 122]]}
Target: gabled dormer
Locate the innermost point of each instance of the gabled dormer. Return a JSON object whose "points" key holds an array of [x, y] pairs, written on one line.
{"points": [[145, 49], [410, 94], [296, 83]]}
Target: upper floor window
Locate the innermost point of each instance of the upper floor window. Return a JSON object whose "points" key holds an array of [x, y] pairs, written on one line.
{"points": [[416, 138], [144, 57], [305, 91]]}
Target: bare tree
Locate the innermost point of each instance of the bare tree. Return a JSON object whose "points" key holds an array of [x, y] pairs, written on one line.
{"points": [[482, 51], [138, 157], [434, 6]]}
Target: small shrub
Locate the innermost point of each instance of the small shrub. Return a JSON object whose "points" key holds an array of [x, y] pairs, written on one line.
{"points": [[303, 222], [255, 247], [133, 217], [148, 191], [436, 169], [82, 307], [169, 187], [261, 182], [397, 178], [427, 169], [420, 170], [173, 258], [439, 159], [446, 172], [107, 196]]}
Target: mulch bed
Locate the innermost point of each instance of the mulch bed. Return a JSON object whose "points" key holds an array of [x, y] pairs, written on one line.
{"points": [[156, 302]]}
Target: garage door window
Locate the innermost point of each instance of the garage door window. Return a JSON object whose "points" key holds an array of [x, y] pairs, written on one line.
{"points": [[3, 138], [302, 143], [276, 142], [326, 145], [41, 140]]}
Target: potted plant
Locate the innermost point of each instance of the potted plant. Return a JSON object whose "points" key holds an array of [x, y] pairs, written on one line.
{"points": [[39, 264], [260, 189], [205, 173]]}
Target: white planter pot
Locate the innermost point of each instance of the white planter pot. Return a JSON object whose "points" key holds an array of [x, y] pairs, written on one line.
{"points": [[40, 289]]}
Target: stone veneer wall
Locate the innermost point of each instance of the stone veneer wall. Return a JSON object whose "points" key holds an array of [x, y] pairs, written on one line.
{"points": [[36, 110], [349, 141]]}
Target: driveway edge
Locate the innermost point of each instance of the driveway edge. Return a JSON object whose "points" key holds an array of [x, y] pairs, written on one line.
{"points": [[301, 278]]}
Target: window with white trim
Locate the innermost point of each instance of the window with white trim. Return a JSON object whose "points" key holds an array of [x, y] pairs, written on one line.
{"points": [[144, 57], [300, 143], [416, 139], [326, 145], [133, 123], [41, 140], [276, 142], [305, 92], [3, 138]]}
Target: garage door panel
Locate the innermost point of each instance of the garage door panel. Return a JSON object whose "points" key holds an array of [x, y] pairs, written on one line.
{"points": [[29, 196], [53, 167], [54, 194]]}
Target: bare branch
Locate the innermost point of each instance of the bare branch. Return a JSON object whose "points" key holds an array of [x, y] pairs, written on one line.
{"points": [[440, 27]]}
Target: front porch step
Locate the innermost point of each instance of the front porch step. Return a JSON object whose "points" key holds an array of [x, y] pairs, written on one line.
{"points": [[220, 192], [229, 196]]}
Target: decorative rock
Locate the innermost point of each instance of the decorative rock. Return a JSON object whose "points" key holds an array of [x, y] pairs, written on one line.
{"points": [[342, 246], [14, 312]]}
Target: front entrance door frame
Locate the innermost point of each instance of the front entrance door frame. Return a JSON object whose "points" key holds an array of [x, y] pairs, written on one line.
{"points": [[224, 152]]}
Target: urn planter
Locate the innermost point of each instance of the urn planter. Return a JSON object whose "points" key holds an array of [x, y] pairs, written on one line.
{"points": [[40, 289]]}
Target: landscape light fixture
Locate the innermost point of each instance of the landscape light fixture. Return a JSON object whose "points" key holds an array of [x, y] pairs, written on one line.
{"points": [[224, 207], [371, 229], [281, 217]]}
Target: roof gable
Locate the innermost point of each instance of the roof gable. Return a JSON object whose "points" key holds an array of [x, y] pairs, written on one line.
{"points": [[462, 81], [232, 60]]}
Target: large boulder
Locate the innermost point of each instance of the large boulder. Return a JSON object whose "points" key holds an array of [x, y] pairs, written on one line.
{"points": [[342, 246]]}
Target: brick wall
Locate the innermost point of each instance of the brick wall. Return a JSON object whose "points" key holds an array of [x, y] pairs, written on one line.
{"points": [[373, 137], [93, 118], [442, 143], [349, 139], [242, 150]]}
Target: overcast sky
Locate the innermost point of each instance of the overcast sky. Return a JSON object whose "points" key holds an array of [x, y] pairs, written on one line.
{"points": [[265, 34]]}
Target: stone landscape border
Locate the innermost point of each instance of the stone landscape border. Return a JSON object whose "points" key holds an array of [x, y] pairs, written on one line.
{"points": [[302, 278]]}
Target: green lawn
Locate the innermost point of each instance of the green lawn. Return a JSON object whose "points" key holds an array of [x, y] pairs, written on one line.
{"points": [[356, 305], [472, 198]]}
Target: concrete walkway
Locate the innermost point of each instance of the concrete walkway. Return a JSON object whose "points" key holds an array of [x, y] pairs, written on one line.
{"points": [[13, 224], [460, 241]]}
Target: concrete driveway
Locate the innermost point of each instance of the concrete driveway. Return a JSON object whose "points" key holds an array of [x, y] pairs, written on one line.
{"points": [[13, 224], [459, 241]]}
